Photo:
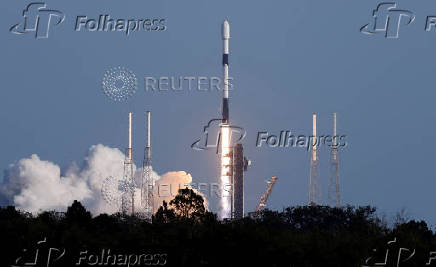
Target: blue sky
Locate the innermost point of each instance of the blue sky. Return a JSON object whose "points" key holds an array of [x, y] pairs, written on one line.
{"points": [[288, 59]]}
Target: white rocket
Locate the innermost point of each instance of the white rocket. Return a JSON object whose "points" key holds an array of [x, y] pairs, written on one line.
{"points": [[226, 37], [225, 161]]}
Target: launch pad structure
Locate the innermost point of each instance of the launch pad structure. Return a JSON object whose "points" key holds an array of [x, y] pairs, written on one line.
{"points": [[315, 196], [334, 196], [265, 196], [147, 182], [232, 162], [128, 183]]}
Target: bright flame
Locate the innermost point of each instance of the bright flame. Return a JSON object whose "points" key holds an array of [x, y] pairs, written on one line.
{"points": [[226, 173]]}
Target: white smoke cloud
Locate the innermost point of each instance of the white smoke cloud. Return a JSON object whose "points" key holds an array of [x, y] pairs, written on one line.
{"points": [[35, 185]]}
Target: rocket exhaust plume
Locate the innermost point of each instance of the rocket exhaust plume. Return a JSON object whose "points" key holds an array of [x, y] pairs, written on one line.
{"points": [[225, 156]]}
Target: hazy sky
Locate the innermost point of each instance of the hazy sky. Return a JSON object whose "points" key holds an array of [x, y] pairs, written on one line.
{"points": [[288, 59]]}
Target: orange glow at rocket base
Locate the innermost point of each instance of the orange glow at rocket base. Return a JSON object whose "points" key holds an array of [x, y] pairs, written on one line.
{"points": [[225, 178]]}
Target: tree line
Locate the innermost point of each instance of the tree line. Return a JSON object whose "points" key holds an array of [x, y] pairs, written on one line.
{"points": [[184, 233]]}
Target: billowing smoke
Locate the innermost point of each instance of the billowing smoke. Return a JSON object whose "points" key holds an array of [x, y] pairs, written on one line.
{"points": [[167, 187], [35, 185]]}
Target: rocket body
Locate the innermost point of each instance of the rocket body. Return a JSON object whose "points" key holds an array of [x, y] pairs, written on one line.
{"points": [[225, 205], [226, 37]]}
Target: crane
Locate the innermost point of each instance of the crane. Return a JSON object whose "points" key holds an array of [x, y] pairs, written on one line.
{"points": [[264, 198]]}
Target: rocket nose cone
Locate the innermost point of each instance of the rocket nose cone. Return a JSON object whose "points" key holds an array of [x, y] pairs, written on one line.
{"points": [[226, 30]]}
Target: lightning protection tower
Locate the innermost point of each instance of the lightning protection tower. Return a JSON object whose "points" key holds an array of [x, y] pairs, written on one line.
{"points": [[314, 180], [147, 185], [128, 184], [334, 193]]}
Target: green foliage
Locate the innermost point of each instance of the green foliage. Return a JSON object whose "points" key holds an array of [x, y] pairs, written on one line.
{"points": [[191, 236], [188, 204]]}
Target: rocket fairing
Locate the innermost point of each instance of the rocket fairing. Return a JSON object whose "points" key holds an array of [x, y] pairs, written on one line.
{"points": [[226, 37]]}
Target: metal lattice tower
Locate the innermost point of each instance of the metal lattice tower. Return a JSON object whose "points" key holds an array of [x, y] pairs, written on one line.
{"points": [[265, 196], [314, 180], [147, 197], [334, 196], [128, 183], [240, 166]]}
